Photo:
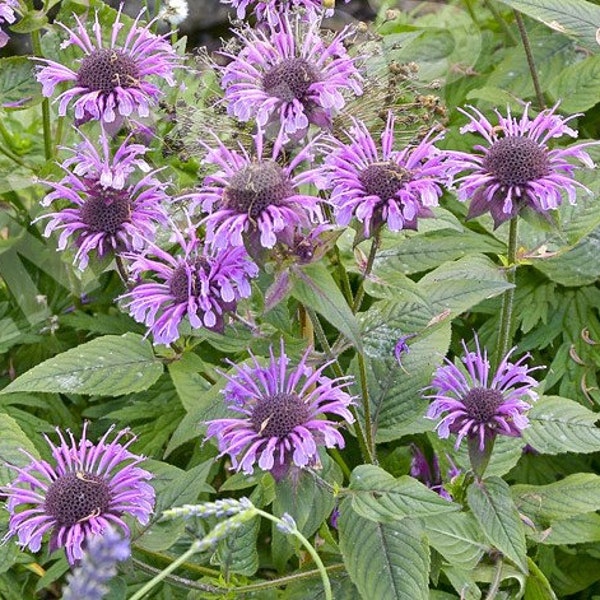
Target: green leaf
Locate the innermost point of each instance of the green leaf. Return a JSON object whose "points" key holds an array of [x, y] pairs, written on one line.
{"points": [[384, 560], [578, 86], [186, 379], [575, 18], [580, 529], [537, 586], [497, 515], [378, 496], [18, 87], [111, 365], [237, 553], [574, 495], [559, 425], [574, 573], [315, 287], [33, 20], [12, 441]]}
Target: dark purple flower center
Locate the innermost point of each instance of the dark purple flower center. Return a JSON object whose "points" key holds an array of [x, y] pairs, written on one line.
{"points": [[276, 416], [106, 210], [104, 70], [481, 404], [516, 160], [76, 497], [256, 187], [184, 281], [290, 79], [384, 179]]}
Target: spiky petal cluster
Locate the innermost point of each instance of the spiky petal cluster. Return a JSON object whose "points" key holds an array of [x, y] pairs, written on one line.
{"points": [[7, 15], [380, 184], [254, 195], [107, 208], [113, 78], [287, 77], [198, 282], [87, 488], [282, 414], [98, 566], [265, 9], [517, 167], [474, 403]]}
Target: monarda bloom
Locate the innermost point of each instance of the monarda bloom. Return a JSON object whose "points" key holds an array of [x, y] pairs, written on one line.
{"points": [[377, 184], [268, 8], [103, 208], [473, 403], [286, 76], [283, 414], [517, 167], [256, 196], [87, 488], [196, 281], [7, 15], [112, 79]]}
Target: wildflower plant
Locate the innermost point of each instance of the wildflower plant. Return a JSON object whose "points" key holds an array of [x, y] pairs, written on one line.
{"points": [[340, 278]]}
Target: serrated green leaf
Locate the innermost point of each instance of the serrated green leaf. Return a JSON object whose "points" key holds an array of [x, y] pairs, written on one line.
{"points": [[576, 494], [187, 380], [493, 507], [576, 18], [111, 365], [385, 561], [237, 553], [32, 20], [573, 573], [578, 86], [18, 86], [559, 425], [315, 287], [462, 581], [378, 496], [537, 586], [12, 441], [580, 529]]}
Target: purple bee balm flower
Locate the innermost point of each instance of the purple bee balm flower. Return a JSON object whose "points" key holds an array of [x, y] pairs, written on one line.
{"points": [[429, 472], [106, 211], [256, 196], [288, 76], [7, 15], [283, 414], [269, 8], [517, 168], [88, 488], [472, 405], [201, 283], [114, 80], [383, 185]]}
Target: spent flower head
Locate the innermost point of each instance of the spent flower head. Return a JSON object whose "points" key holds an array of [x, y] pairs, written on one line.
{"points": [[103, 207], [517, 167], [7, 15], [112, 80], [472, 402], [174, 12], [287, 77], [377, 184], [282, 414], [85, 489]]}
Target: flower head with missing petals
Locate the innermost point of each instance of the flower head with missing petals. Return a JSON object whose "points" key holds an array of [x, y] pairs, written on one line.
{"points": [[384, 185], [474, 405], [283, 414], [256, 197], [286, 77], [107, 209], [112, 79], [88, 488], [201, 283], [266, 9], [518, 168], [7, 15]]}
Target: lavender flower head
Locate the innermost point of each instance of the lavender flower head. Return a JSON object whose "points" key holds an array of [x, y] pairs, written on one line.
{"points": [[106, 209], [288, 77], [265, 9], [7, 15], [88, 488], [97, 567], [517, 168], [199, 282], [283, 414], [112, 79], [255, 196], [474, 405], [428, 471], [383, 185]]}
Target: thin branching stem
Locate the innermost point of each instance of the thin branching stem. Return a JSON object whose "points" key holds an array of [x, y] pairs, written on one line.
{"points": [[530, 60], [505, 334]]}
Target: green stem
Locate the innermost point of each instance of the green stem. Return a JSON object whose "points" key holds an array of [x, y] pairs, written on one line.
{"points": [[339, 459], [505, 334], [181, 582], [362, 368], [530, 61], [493, 591], [360, 294], [480, 458], [10, 154], [343, 274], [48, 145], [310, 550], [507, 31]]}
